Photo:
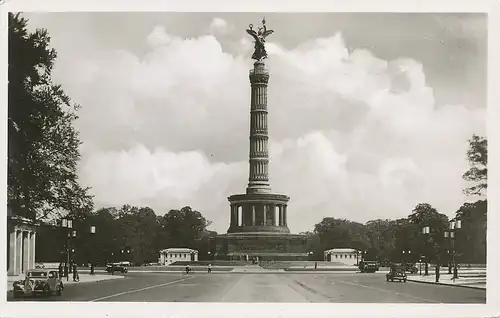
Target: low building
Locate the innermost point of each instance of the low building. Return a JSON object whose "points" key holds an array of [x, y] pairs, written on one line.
{"points": [[175, 254], [348, 256], [20, 243]]}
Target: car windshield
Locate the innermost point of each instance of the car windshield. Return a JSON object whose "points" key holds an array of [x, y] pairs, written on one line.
{"points": [[37, 274]]}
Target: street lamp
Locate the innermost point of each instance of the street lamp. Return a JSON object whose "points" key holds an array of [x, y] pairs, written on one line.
{"points": [[426, 230], [68, 225], [406, 252], [450, 234], [92, 233]]}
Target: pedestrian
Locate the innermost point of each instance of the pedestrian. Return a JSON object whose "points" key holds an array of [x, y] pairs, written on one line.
{"points": [[315, 265], [92, 269], [188, 269], [209, 268], [60, 269], [437, 273], [76, 277]]}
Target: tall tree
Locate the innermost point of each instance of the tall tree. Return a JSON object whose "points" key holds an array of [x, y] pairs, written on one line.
{"points": [[471, 237], [478, 171], [42, 141]]}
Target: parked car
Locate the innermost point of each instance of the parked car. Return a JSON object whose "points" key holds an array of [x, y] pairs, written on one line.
{"points": [[39, 282], [396, 273], [411, 268], [368, 266], [116, 267]]}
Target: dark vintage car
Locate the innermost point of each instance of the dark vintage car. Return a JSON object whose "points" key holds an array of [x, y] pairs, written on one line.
{"points": [[368, 266], [116, 267], [396, 273], [39, 282], [411, 268]]}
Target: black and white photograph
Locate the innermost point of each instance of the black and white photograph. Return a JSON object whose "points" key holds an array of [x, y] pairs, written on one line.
{"points": [[247, 157]]}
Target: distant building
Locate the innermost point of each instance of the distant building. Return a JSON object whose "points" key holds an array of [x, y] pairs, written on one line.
{"points": [[348, 256], [175, 254]]}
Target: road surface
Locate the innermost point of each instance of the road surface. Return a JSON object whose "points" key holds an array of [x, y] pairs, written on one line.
{"points": [[264, 287]]}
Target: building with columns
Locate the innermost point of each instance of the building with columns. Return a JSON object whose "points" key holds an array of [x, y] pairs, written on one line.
{"points": [[174, 254], [21, 241], [258, 218]]}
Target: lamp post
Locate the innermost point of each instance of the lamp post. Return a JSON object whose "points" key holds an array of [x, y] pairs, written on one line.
{"points": [[406, 252], [450, 234], [68, 225], [92, 233], [426, 230]]}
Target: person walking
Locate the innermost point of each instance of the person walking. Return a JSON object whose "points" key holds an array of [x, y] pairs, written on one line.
{"points": [[209, 268], [437, 273], [76, 277]]}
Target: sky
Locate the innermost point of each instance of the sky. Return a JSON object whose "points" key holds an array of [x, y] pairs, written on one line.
{"points": [[369, 113]]}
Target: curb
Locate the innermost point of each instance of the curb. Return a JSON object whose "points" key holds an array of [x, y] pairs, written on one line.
{"points": [[445, 284]]}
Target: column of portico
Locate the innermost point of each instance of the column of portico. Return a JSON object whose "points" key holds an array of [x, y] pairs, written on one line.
{"points": [[26, 251], [32, 252], [13, 252], [19, 252]]}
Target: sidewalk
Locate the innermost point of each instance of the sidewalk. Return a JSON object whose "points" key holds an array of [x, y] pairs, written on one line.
{"points": [[446, 279], [84, 278]]}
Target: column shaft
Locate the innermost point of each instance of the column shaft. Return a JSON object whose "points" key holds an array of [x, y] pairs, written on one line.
{"points": [[12, 252], [265, 214], [19, 252], [285, 218], [33, 249], [26, 253], [253, 214]]}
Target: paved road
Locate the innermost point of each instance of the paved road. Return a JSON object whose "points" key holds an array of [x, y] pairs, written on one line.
{"points": [[286, 287]]}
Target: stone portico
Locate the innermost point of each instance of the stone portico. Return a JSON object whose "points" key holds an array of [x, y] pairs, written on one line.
{"points": [[21, 242]]}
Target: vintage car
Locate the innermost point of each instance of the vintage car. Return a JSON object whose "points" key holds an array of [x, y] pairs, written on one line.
{"points": [[396, 273], [368, 266], [411, 268], [116, 267], [39, 282]]}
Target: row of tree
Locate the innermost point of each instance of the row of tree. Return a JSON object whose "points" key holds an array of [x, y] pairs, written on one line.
{"points": [[130, 233], [404, 240]]}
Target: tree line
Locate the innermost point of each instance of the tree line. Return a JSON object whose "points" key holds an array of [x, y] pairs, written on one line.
{"points": [[403, 239], [43, 185]]}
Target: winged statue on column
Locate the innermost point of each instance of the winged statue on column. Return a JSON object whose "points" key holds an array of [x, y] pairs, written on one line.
{"points": [[259, 36]]}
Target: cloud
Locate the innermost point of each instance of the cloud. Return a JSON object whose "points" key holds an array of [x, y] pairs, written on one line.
{"points": [[352, 135], [219, 25]]}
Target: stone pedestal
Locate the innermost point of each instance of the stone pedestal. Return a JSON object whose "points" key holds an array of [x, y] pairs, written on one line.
{"points": [[261, 245], [21, 240]]}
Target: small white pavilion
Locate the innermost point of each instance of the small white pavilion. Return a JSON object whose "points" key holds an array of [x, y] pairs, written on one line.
{"points": [[348, 256], [175, 254]]}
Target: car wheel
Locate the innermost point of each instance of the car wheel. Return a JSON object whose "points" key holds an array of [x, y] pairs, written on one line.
{"points": [[59, 291], [387, 278], [404, 280], [47, 291], [392, 280]]}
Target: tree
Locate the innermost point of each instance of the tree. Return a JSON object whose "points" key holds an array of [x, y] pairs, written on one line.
{"points": [[471, 238], [478, 171], [338, 233], [42, 142], [431, 245]]}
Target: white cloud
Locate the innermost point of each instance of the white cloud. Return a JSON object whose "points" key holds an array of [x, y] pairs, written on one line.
{"points": [[352, 135], [219, 25]]}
